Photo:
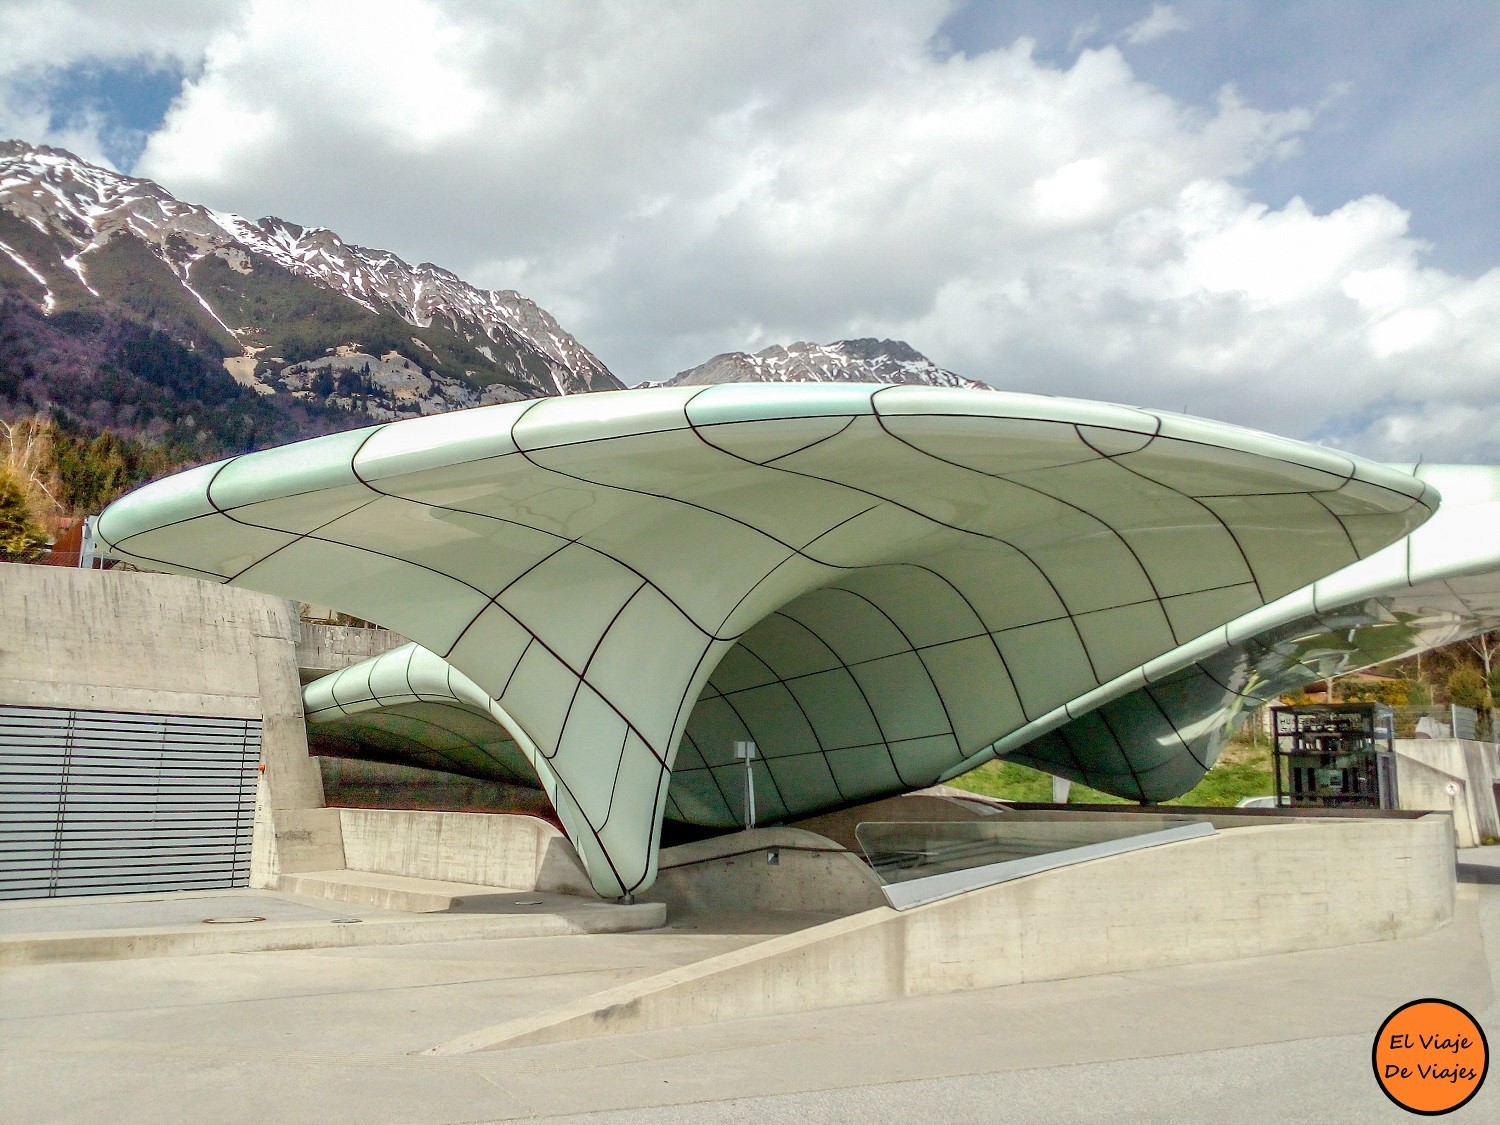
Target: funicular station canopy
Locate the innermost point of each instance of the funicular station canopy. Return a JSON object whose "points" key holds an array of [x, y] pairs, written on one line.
{"points": [[881, 586]]}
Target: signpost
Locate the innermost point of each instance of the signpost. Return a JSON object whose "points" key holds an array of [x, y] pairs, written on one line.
{"points": [[745, 751]]}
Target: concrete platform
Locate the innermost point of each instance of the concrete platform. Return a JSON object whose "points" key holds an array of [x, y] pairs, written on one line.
{"points": [[333, 1035], [115, 927], [1278, 886], [419, 896]]}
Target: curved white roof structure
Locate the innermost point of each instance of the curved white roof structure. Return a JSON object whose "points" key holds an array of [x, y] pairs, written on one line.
{"points": [[876, 584]]}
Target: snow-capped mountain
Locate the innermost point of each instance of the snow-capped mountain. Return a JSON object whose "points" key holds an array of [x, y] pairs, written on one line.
{"points": [[279, 301], [844, 361]]}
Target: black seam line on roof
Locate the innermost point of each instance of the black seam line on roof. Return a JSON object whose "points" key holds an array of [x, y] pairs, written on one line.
{"points": [[577, 677], [614, 785], [629, 727], [652, 850], [684, 716], [598, 644], [1260, 594], [513, 669], [393, 713], [580, 541], [1047, 578], [561, 783], [794, 452], [1051, 752], [991, 634], [1119, 536], [863, 695], [1122, 750], [228, 514], [777, 681], [963, 531], [659, 496], [792, 553], [491, 601], [1073, 752], [911, 650], [581, 678], [977, 534], [687, 736], [470, 708], [484, 760], [1353, 546], [685, 707], [406, 675], [1166, 717], [870, 747], [567, 791], [775, 783]]}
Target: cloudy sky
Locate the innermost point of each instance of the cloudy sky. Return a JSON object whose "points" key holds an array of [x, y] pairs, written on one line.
{"points": [[1280, 214]]}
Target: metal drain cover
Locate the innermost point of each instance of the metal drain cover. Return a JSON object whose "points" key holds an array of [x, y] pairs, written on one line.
{"points": [[234, 919], [527, 902]]}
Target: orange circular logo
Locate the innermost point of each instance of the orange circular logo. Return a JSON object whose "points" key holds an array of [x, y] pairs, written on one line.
{"points": [[1430, 1056]]}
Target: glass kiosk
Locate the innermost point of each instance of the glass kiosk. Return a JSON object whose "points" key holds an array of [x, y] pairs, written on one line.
{"points": [[1335, 756]]}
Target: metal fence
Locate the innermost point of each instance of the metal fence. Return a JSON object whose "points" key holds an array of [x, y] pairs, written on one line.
{"points": [[1446, 721]]}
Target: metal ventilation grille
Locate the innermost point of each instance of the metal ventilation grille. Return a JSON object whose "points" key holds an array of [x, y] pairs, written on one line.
{"points": [[109, 802]]}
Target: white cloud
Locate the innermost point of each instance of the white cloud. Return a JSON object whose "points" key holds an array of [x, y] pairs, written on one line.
{"points": [[1162, 20], [678, 179], [39, 37]]}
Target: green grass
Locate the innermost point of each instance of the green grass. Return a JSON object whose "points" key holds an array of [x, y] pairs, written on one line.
{"points": [[1243, 770]]}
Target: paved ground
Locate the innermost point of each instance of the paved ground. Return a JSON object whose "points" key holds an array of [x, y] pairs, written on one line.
{"points": [[335, 1036], [128, 912]]}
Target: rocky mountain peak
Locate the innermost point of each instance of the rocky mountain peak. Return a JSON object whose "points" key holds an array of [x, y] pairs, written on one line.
{"points": [[261, 291]]}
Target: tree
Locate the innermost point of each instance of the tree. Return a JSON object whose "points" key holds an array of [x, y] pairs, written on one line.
{"points": [[1467, 688], [22, 538]]}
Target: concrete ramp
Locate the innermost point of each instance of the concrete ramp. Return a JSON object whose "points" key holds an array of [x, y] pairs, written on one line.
{"points": [[1249, 891]]}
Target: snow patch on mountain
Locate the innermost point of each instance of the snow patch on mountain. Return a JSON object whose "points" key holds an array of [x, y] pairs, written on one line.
{"points": [[844, 361]]}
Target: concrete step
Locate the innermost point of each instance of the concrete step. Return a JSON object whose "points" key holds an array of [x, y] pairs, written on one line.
{"points": [[173, 924], [403, 892]]}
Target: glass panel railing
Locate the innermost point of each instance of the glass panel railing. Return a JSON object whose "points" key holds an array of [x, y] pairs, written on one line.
{"points": [[923, 861]]}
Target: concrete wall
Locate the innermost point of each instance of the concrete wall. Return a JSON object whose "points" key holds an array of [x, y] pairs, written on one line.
{"points": [[737, 872], [519, 852], [165, 644], [1426, 767], [1247, 892], [324, 649]]}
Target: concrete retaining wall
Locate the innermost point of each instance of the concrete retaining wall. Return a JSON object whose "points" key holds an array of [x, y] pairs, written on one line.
{"points": [[487, 849], [1425, 767], [768, 869], [1247, 892], [324, 649]]}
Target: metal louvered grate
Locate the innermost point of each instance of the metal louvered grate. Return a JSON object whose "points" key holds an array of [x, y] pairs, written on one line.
{"points": [[110, 802]]}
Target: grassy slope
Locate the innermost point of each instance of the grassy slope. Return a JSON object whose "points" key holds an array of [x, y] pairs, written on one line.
{"points": [[1243, 770], [138, 281]]}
